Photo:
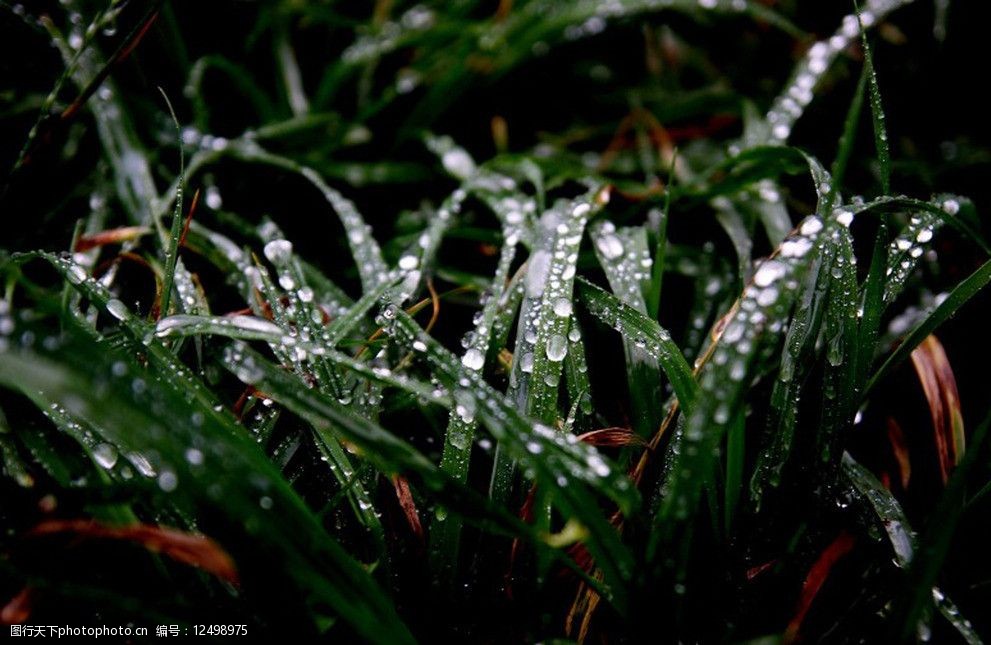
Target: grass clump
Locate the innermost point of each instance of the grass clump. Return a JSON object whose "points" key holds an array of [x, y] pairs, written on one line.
{"points": [[517, 322]]}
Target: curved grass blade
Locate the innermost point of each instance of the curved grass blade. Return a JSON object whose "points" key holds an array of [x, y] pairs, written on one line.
{"points": [[642, 331], [804, 330], [757, 319], [877, 110], [903, 543], [253, 328], [559, 463], [624, 257], [945, 208], [368, 256], [136, 419], [790, 104], [934, 547], [445, 534], [960, 294]]}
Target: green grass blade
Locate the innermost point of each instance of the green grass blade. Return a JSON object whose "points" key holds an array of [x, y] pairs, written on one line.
{"points": [[642, 331], [445, 533], [65, 375], [934, 545], [172, 244], [877, 111], [625, 258], [572, 471], [796, 362], [887, 509], [757, 319], [959, 296]]}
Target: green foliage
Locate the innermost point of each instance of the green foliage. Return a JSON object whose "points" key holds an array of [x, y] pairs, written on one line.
{"points": [[287, 383]]}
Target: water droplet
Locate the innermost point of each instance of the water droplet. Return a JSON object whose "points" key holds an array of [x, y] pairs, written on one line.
{"points": [[795, 248], [213, 198], [117, 309], [526, 362], [106, 455], [168, 481], [457, 162], [811, 226], [537, 271], [473, 359], [278, 252], [562, 307], [557, 347], [768, 272], [767, 297], [609, 246]]}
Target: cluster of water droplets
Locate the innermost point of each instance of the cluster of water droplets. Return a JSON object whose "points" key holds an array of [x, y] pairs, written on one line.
{"points": [[762, 308], [366, 252], [625, 257], [192, 137], [791, 103], [908, 247], [478, 401], [543, 338], [389, 35]]}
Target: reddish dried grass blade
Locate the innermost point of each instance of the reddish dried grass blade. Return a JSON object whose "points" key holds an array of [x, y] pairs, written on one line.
{"points": [[18, 609], [196, 550], [189, 218], [526, 514], [612, 438], [754, 572], [113, 236], [815, 579], [940, 387], [900, 449], [405, 498]]}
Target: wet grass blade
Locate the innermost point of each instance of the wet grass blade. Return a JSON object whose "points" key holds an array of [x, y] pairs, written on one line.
{"points": [[172, 244], [959, 296], [445, 533], [569, 470], [756, 319], [877, 111], [796, 361], [891, 516], [321, 566], [640, 330], [934, 546], [625, 258]]}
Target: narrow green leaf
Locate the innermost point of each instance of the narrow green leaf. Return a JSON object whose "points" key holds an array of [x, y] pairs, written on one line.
{"points": [[172, 244], [959, 296], [640, 330], [877, 110]]}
